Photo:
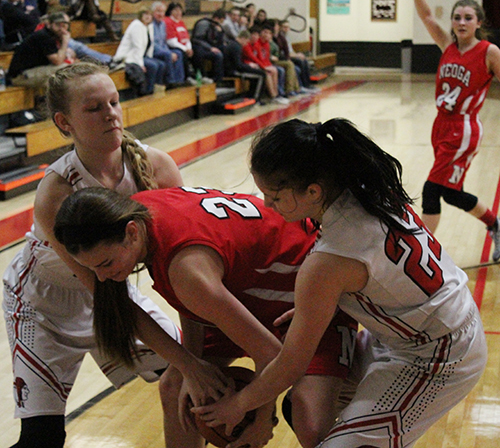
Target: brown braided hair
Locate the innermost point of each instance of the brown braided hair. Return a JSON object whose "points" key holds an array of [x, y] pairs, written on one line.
{"points": [[142, 168]]}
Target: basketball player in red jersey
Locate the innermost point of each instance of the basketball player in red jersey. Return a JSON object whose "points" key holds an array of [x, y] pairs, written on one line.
{"points": [[467, 66], [228, 265]]}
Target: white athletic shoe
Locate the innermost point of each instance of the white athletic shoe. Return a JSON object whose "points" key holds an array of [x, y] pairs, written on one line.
{"points": [[280, 100], [495, 236]]}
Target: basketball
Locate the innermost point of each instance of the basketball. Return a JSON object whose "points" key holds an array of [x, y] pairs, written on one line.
{"points": [[217, 436]]}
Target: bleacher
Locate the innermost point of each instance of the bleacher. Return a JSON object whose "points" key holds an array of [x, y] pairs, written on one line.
{"points": [[322, 64], [33, 141]]}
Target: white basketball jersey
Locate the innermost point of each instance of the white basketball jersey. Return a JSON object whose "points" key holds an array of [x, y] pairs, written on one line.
{"points": [[415, 293]]}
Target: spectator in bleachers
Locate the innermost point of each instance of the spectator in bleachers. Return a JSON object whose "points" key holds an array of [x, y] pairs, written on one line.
{"points": [[244, 22], [178, 37], [41, 53], [252, 53], [19, 21], [82, 51], [89, 10], [289, 71], [231, 24], [235, 66], [137, 46], [299, 59], [208, 45], [260, 17], [263, 46], [250, 13], [173, 59]]}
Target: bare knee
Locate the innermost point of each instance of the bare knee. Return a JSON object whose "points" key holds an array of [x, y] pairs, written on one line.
{"points": [[169, 386], [306, 425], [314, 407]]}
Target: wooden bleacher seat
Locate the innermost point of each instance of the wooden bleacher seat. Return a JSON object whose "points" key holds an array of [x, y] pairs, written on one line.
{"points": [[16, 99], [302, 47], [209, 6], [81, 28], [44, 136], [121, 7], [40, 137], [325, 62], [120, 80], [105, 47], [5, 58], [240, 85], [145, 108]]}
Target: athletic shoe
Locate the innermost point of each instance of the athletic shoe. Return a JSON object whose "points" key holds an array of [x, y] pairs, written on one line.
{"points": [[280, 100], [206, 80], [115, 66], [495, 236], [311, 90], [191, 81]]}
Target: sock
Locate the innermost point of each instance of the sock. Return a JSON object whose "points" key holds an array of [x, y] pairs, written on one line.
{"points": [[490, 220]]}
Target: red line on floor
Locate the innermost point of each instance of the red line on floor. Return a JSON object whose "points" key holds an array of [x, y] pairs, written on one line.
{"points": [[215, 142], [485, 255], [14, 227]]}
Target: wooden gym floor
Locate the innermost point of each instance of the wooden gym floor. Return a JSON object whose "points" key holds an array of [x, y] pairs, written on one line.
{"points": [[397, 112]]}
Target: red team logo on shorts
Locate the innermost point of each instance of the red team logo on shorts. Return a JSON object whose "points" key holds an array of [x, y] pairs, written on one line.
{"points": [[21, 392]]}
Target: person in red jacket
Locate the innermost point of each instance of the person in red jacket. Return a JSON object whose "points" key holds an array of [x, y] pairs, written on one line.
{"points": [[255, 53]]}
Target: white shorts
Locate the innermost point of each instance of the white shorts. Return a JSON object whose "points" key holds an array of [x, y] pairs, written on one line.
{"points": [[49, 325], [403, 392]]}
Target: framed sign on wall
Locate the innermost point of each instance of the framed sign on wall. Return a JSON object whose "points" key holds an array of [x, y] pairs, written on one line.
{"points": [[384, 10]]}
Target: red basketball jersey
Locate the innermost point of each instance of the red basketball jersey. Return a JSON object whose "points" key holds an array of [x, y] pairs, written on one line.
{"points": [[462, 80], [261, 252]]}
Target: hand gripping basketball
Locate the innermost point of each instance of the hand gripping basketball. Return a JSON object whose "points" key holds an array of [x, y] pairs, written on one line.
{"points": [[217, 436]]}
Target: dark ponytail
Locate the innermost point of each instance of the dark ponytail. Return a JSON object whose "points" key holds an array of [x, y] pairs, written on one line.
{"points": [[335, 155], [373, 176]]}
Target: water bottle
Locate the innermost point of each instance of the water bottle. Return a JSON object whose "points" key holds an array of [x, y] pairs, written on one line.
{"points": [[198, 78], [3, 81]]}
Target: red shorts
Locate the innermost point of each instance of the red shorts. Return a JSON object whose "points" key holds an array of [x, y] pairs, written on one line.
{"points": [[333, 356], [455, 139]]}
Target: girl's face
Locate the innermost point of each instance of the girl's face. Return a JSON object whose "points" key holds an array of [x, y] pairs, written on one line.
{"points": [[115, 261], [176, 13], [147, 18], [464, 22], [95, 117], [293, 206]]}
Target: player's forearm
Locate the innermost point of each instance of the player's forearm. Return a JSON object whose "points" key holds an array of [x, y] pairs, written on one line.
{"points": [[423, 9]]}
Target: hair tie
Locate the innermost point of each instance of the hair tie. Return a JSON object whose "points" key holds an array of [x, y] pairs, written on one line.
{"points": [[319, 128]]}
